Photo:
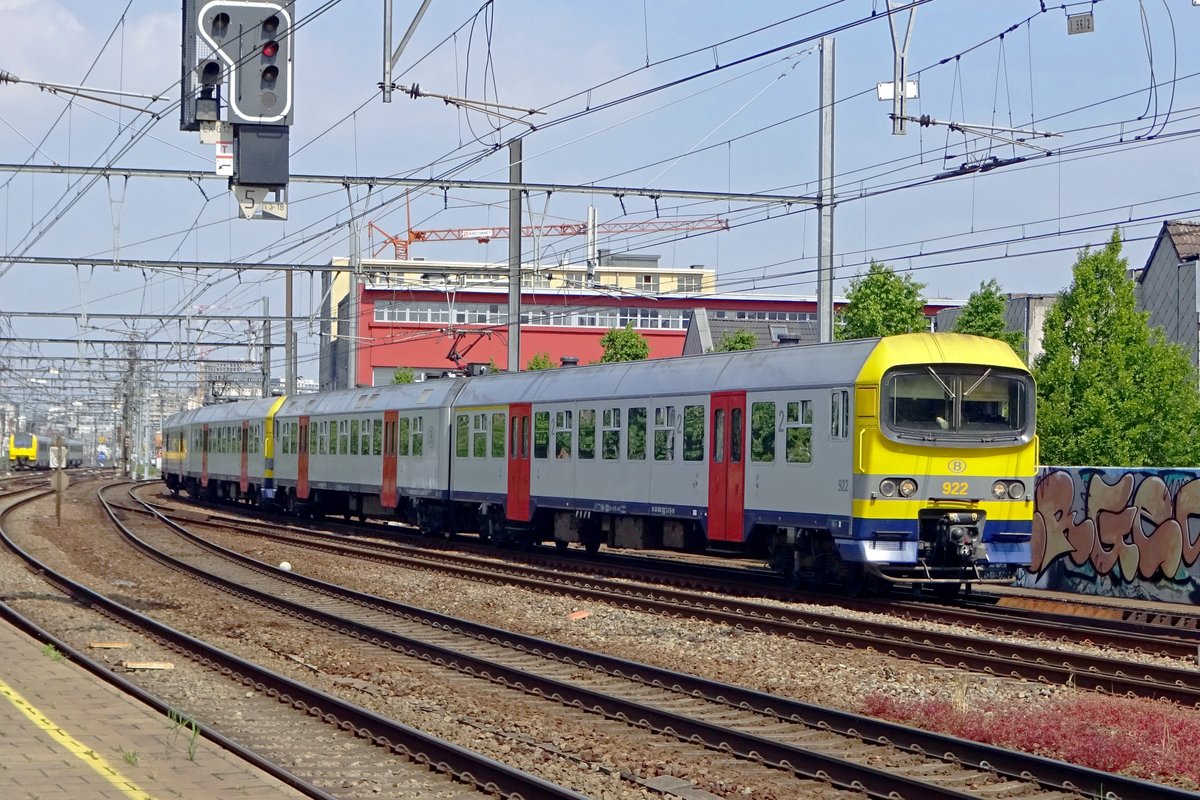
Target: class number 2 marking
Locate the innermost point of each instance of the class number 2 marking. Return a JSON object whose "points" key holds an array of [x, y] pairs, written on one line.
{"points": [[954, 487]]}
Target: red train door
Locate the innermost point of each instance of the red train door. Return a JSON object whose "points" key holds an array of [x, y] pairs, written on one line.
{"points": [[387, 493], [519, 431], [302, 460], [244, 478], [204, 456], [727, 468]]}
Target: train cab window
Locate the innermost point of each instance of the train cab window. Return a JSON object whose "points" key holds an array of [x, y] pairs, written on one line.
{"points": [[664, 433], [587, 433], [635, 443], [541, 434], [402, 436], [498, 435], [762, 432], [418, 436], [564, 429], [462, 435], [610, 437], [693, 433], [798, 427], [479, 435]]}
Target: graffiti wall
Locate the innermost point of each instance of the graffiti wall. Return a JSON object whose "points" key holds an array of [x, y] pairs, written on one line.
{"points": [[1118, 532]]}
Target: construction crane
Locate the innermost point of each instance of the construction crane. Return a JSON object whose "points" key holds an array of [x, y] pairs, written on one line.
{"points": [[485, 235]]}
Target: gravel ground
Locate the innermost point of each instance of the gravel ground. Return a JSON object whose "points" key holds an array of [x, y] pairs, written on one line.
{"points": [[563, 746]]}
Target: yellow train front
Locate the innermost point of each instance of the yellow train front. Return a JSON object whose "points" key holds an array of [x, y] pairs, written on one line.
{"points": [[945, 458], [22, 451]]}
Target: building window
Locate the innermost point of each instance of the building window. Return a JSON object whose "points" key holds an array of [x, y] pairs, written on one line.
{"points": [[688, 283], [647, 283]]}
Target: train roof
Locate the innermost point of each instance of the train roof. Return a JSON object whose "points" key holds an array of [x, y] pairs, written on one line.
{"points": [[432, 394]]}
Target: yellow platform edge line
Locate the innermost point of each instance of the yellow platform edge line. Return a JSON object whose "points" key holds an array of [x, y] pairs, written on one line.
{"points": [[77, 748]]}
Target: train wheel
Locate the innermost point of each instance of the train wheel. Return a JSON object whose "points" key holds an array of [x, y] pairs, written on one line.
{"points": [[855, 581], [561, 545]]}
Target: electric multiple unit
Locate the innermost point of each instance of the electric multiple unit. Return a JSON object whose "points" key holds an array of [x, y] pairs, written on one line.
{"points": [[910, 458]]}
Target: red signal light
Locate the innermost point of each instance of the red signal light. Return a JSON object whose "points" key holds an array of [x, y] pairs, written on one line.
{"points": [[270, 49]]}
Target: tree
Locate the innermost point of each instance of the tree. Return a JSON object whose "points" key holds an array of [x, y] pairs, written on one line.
{"points": [[741, 339], [402, 375], [983, 315], [1111, 390], [540, 361], [882, 303], [623, 344]]}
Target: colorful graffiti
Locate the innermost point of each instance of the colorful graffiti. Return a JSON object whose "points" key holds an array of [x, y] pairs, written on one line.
{"points": [[1118, 532]]}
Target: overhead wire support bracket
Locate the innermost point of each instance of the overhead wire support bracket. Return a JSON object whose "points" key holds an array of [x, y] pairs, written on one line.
{"points": [[467, 104], [989, 131]]}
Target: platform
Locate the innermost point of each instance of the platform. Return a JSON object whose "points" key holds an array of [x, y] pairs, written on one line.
{"points": [[65, 733]]}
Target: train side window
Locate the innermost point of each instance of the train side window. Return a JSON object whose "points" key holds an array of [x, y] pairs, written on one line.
{"points": [[365, 429], [564, 429], [610, 438], [798, 427], [635, 444], [343, 437], [587, 433], [693, 433], [311, 436], [479, 435], [418, 436], [718, 437], [541, 434], [839, 420], [762, 432], [735, 436], [462, 435], [402, 436], [498, 435], [354, 434], [664, 433], [377, 438], [285, 444]]}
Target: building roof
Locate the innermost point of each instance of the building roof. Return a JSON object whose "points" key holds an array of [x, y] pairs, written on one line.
{"points": [[705, 331], [1186, 238], [1183, 236]]}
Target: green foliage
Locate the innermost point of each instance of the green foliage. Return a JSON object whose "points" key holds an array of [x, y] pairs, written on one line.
{"points": [[623, 344], [741, 339], [1111, 390], [882, 303], [539, 361], [402, 375], [983, 315], [51, 652]]}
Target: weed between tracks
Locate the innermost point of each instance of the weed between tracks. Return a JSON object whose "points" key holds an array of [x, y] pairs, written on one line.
{"points": [[1157, 741]]}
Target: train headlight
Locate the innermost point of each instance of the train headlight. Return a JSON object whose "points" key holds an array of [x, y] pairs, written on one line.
{"points": [[1016, 490], [908, 487], [887, 487], [999, 490], [957, 533]]}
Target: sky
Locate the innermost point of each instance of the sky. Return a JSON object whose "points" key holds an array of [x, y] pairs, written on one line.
{"points": [[688, 94]]}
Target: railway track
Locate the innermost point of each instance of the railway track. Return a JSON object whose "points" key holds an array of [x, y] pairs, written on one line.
{"points": [[848, 751], [334, 748], [974, 651], [1170, 635]]}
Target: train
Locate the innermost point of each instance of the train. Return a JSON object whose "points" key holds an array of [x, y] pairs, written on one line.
{"points": [[849, 465], [30, 451]]}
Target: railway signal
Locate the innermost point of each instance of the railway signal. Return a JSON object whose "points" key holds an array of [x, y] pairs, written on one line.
{"points": [[245, 46]]}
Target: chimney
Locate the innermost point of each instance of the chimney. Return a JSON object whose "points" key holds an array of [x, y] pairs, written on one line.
{"points": [[569, 361]]}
